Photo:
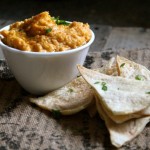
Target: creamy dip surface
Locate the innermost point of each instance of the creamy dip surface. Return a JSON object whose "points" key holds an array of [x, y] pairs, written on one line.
{"points": [[43, 33]]}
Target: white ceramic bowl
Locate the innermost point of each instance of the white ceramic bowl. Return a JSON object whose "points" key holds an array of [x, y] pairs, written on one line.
{"points": [[39, 72]]}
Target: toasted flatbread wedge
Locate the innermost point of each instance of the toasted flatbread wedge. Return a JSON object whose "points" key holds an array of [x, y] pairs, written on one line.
{"points": [[110, 69], [70, 99], [135, 71], [121, 118], [132, 70], [119, 95], [122, 133]]}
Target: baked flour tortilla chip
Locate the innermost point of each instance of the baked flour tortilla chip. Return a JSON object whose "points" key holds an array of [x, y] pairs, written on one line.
{"points": [[119, 95], [111, 69], [122, 133], [135, 71], [132, 70], [69, 99], [121, 118]]}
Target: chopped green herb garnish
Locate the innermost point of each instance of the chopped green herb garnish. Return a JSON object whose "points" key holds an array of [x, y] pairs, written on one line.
{"points": [[56, 114], [96, 82], [148, 92], [104, 87], [48, 30], [122, 64], [70, 90], [60, 22], [139, 77]]}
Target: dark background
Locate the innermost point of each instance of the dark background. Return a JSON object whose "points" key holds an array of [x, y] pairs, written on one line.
{"points": [[104, 12]]}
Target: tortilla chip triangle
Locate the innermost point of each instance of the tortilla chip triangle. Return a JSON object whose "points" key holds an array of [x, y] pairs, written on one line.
{"points": [[132, 70], [121, 118], [69, 99], [119, 95], [122, 133], [135, 71]]}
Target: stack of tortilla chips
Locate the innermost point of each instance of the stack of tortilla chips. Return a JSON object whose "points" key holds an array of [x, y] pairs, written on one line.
{"points": [[121, 90]]}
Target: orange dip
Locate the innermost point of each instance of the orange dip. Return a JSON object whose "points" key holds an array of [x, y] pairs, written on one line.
{"points": [[43, 33]]}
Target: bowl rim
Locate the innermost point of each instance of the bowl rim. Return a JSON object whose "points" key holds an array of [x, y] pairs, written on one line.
{"points": [[47, 53]]}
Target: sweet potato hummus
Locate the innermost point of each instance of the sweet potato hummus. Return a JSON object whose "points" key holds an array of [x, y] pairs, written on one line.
{"points": [[43, 33]]}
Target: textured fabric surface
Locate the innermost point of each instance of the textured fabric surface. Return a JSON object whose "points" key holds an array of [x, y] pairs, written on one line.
{"points": [[25, 126]]}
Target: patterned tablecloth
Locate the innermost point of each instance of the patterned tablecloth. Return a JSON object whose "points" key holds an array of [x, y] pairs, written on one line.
{"points": [[23, 126]]}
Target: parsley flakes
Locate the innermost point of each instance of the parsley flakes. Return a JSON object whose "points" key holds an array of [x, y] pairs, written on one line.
{"points": [[148, 92], [139, 77], [60, 22], [56, 114], [70, 90], [48, 30], [96, 82], [104, 87], [122, 65]]}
